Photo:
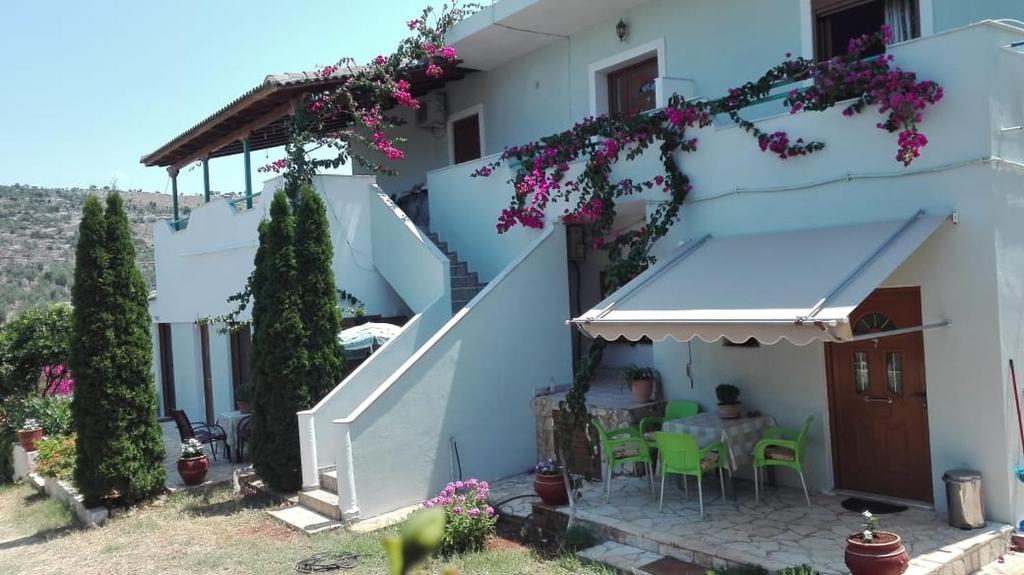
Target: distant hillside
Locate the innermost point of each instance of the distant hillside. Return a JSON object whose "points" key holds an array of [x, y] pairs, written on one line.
{"points": [[38, 232]]}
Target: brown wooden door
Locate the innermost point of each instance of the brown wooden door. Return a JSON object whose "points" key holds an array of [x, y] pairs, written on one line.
{"points": [[631, 89], [166, 367], [878, 401], [466, 139]]}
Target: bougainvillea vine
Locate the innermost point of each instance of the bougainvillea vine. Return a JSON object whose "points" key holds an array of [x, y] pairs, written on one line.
{"points": [[541, 175]]}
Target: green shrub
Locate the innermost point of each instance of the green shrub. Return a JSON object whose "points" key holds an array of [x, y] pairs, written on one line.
{"points": [[53, 412], [56, 456], [577, 538], [7, 438]]}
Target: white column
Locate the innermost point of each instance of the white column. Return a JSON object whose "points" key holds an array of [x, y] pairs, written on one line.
{"points": [[347, 501], [307, 450]]}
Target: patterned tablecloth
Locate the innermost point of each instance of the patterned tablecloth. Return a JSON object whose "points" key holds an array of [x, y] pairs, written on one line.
{"points": [[739, 435]]}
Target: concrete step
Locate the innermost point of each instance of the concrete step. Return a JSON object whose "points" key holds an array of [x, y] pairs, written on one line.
{"points": [[322, 501], [443, 246], [632, 560], [303, 519], [465, 280], [466, 293], [459, 269], [453, 257], [329, 481]]}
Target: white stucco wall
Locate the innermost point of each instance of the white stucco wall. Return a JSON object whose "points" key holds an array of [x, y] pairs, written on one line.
{"points": [[472, 383]]}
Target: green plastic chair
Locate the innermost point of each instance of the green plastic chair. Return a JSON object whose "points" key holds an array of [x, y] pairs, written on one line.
{"points": [[673, 410], [781, 447], [619, 446], [679, 454]]}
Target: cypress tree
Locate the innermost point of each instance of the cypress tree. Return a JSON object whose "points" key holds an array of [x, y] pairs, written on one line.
{"points": [[136, 469], [279, 355], [314, 254], [90, 338], [120, 445]]}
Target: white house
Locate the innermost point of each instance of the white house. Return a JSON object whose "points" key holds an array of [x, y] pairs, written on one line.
{"points": [[846, 240]]}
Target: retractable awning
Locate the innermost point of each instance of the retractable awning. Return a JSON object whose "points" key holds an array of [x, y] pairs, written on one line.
{"points": [[798, 285]]}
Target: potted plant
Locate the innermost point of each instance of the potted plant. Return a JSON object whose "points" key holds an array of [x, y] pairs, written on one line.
{"points": [[729, 405], [548, 483], [29, 434], [192, 463], [243, 398], [874, 552], [641, 382]]}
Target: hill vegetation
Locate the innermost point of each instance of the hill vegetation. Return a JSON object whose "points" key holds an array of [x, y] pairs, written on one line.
{"points": [[39, 230]]}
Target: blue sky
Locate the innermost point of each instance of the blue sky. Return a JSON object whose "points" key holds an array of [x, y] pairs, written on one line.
{"points": [[89, 87]]}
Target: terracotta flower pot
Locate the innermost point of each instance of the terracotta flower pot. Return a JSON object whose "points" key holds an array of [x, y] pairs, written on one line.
{"points": [[28, 438], [885, 555], [243, 406], [642, 389], [193, 470], [551, 489], [730, 410]]}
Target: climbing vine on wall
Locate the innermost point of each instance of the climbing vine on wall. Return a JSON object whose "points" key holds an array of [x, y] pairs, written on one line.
{"points": [[542, 168]]}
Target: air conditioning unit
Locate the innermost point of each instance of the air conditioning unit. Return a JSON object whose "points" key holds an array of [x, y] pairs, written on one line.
{"points": [[432, 113]]}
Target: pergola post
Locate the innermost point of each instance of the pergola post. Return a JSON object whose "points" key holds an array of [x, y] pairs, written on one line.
{"points": [[174, 197], [248, 173], [206, 179]]}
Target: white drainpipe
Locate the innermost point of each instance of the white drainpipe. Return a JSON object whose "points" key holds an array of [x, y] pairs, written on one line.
{"points": [[347, 501], [307, 450]]}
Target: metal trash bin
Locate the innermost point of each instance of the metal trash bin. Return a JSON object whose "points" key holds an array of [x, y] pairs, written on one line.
{"points": [[964, 498]]}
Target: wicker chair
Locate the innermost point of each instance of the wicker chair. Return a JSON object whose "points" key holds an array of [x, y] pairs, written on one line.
{"points": [[204, 432]]}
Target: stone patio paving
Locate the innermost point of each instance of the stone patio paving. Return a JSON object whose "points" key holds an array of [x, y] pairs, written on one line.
{"points": [[221, 470], [780, 532]]}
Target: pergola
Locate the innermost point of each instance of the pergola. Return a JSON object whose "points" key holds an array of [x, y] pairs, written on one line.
{"points": [[259, 119]]}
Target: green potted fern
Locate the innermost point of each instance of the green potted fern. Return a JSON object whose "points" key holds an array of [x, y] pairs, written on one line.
{"points": [[641, 381], [243, 398]]}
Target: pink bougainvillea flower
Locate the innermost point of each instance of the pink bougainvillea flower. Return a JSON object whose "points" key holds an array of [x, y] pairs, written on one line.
{"points": [[434, 71]]}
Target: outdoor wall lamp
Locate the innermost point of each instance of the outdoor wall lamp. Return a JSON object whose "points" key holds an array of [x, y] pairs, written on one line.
{"points": [[621, 30]]}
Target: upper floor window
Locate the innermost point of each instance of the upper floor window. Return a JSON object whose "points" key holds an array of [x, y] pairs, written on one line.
{"points": [[837, 21]]}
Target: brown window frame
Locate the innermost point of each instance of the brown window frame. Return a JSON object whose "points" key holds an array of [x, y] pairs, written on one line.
{"points": [[821, 10], [166, 350]]}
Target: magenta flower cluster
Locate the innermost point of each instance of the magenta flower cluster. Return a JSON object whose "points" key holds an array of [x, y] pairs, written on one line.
{"points": [[469, 518], [57, 379]]}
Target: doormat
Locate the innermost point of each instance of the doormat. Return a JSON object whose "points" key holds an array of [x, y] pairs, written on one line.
{"points": [[672, 566], [858, 505]]}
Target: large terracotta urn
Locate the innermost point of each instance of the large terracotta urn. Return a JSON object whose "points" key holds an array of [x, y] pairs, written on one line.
{"points": [[193, 469], [551, 489], [884, 555]]}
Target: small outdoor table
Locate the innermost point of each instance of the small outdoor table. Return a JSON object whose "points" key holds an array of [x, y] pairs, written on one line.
{"points": [[229, 420], [739, 435]]}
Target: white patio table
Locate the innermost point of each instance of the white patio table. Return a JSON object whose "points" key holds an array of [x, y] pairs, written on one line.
{"points": [[229, 420], [739, 435]]}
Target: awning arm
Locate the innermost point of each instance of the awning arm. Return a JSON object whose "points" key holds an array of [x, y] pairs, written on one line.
{"points": [[881, 334], [857, 271]]}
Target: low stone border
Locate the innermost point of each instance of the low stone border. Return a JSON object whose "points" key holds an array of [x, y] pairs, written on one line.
{"points": [[24, 461], [69, 495]]}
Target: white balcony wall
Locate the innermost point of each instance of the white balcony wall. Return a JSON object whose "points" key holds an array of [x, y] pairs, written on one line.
{"points": [[419, 273], [200, 266], [472, 383]]}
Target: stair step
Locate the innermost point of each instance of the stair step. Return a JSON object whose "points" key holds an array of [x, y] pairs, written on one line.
{"points": [[466, 293], [453, 257], [465, 280], [459, 269], [322, 501], [303, 519], [329, 481], [627, 559], [443, 246]]}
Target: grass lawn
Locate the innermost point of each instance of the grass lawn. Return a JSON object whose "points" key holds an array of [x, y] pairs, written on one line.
{"points": [[218, 532]]}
